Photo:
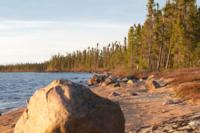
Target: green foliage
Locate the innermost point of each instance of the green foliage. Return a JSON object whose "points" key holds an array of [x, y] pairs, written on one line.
{"points": [[168, 39]]}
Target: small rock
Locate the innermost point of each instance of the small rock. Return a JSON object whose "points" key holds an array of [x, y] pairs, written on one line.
{"points": [[89, 82], [164, 111], [115, 94], [111, 79], [150, 77], [130, 82], [134, 94], [155, 127], [108, 81], [159, 83], [103, 84], [125, 80], [116, 84], [194, 124]]}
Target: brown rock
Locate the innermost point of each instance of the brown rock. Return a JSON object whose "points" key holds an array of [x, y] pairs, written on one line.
{"points": [[66, 107]]}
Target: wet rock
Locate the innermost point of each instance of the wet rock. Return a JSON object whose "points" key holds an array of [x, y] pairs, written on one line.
{"points": [[66, 107]]}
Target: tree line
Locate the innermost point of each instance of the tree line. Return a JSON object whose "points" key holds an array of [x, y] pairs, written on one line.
{"points": [[168, 39]]}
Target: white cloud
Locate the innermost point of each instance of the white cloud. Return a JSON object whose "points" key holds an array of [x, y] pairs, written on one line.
{"points": [[18, 24], [24, 24], [36, 41]]}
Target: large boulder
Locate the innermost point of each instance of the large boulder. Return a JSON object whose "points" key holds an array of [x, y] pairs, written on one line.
{"points": [[66, 107]]}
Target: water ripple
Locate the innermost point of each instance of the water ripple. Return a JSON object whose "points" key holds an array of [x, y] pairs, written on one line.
{"points": [[16, 88]]}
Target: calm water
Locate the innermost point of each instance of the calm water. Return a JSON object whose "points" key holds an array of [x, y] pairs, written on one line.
{"points": [[16, 88]]}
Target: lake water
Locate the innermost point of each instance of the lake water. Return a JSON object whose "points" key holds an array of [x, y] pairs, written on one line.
{"points": [[16, 88]]}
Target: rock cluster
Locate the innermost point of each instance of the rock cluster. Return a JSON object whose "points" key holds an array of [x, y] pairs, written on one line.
{"points": [[66, 107], [97, 78], [184, 124], [109, 79]]}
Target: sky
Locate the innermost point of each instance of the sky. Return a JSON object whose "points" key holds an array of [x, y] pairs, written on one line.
{"points": [[34, 30]]}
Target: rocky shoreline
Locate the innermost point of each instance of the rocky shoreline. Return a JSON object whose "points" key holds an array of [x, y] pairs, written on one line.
{"points": [[149, 104]]}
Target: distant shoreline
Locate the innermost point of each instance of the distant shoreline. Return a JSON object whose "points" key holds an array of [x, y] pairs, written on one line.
{"points": [[47, 72]]}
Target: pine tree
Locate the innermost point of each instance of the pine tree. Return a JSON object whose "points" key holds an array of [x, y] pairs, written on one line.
{"points": [[148, 31], [131, 46]]}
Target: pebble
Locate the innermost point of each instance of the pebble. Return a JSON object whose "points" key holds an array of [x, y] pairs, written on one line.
{"points": [[115, 94]]}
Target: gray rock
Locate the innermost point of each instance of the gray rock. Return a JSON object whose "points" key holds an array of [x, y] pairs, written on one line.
{"points": [[124, 80], [159, 83], [108, 81], [117, 84]]}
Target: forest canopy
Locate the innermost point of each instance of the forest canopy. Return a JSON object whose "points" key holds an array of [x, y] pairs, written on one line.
{"points": [[168, 39]]}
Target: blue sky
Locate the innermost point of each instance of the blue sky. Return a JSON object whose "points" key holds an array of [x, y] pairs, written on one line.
{"points": [[34, 30]]}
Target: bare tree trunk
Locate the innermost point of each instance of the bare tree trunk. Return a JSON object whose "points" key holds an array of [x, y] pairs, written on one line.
{"points": [[160, 56], [131, 59], [168, 57], [149, 56]]}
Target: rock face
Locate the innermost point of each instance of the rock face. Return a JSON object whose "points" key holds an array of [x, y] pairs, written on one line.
{"points": [[66, 107]]}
